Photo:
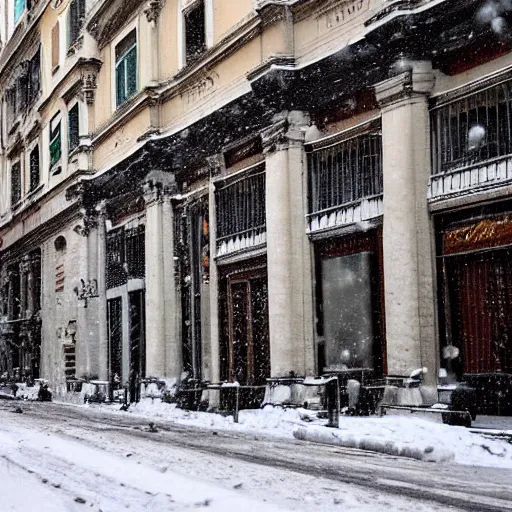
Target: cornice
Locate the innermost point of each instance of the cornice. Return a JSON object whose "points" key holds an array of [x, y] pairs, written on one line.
{"points": [[117, 12], [233, 41], [24, 35], [419, 80], [82, 63]]}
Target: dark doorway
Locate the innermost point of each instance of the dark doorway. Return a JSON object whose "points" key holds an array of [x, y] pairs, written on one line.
{"points": [[137, 331], [115, 333], [247, 351]]}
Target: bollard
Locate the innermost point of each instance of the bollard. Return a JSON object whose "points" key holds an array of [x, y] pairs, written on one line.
{"points": [[235, 416], [332, 390]]}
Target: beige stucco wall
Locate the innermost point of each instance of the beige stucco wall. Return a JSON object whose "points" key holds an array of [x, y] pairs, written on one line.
{"points": [[332, 28], [223, 83], [114, 147], [226, 14], [168, 37]]}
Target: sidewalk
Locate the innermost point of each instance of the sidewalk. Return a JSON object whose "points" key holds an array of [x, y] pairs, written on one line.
{"points": [[406, 436]]}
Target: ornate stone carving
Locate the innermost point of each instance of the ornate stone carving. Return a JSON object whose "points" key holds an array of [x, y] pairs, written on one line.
{"points": [[417, 80], [288, 129], [215, 164], [153, 10], [89, 86], [156, 185]]}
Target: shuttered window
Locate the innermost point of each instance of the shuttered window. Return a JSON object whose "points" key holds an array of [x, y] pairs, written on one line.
{"points": [[55, 46], [76, 20], [55, 141], [126, 68], [74, 127], [34, 77], [15, 183], [35, 175]]}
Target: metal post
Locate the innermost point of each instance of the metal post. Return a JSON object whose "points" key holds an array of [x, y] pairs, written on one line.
{"points": [[237, 403], [333, 402]]}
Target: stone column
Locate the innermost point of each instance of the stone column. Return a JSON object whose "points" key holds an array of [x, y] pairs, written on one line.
{"points": [[163, 348], [103, 349], [407, 232], [84, 317], [216, 164], [288, 262], [174, 357]]}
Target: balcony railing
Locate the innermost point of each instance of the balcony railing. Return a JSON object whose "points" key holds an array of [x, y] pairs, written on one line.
{"points": [[241, 214], [345, 183], [472, 142]]}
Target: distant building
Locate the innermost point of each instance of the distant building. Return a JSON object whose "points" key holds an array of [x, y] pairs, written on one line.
{"points": [[244, 190]]}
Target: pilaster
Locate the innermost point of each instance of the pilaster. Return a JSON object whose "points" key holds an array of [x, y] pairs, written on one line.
{"points": [[407, 232], [103, 349]]}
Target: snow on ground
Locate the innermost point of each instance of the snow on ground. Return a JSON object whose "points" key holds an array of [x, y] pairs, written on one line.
{"points": [[408, 436], [115, 465], [413, 437], [64, 475]]}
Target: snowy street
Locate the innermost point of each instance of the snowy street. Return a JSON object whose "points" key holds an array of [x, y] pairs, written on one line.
{"points": [[66, 458]]}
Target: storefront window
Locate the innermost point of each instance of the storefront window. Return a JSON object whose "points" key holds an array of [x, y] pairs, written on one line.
{"points": [[347, 311]]}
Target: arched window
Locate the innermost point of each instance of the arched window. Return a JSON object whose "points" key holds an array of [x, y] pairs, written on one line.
{"points": [[60, 244]]}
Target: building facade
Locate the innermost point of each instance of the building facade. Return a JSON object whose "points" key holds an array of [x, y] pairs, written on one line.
{"points": [[252, 190]]}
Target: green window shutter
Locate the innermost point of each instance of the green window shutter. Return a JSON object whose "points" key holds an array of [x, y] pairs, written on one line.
{"points": [[55, 146]]}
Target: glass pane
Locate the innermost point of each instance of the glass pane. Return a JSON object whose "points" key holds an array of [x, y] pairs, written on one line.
{"points": [[55, 148], [131, 72], [121, 82], [19, 7], [347, 306]]}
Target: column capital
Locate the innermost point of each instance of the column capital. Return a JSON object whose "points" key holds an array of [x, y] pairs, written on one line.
{"points": [[156, 185], [153, 10], [89, 222], [215, 164], [288, 129], [416, 81]]}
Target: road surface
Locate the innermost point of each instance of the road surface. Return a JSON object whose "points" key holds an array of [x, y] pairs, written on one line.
{"points": [[80, 458]]}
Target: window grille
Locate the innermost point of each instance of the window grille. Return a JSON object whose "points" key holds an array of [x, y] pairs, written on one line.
{"points": [[472, 130], [195, 32], [126, 68], [345, 172], [74, 127], [136, 252], [241, 207], [15, 183], [126, 256], [35, 175]]}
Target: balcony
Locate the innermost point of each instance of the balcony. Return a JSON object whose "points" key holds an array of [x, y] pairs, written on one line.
{"points": [[472, 143], [241, 222], [345, 183]]}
